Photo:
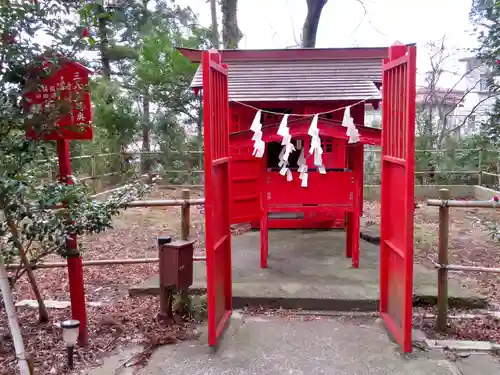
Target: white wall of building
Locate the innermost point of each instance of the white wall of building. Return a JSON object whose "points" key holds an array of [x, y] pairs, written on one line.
{"points": [[478, 99]]}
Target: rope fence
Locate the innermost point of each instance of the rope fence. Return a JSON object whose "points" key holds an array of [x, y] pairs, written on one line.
{"points": [[185, 203], [438, 167], [442, 265]]}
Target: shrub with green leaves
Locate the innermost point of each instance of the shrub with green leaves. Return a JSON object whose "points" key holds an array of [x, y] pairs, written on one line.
{"points": [[38, 216]]}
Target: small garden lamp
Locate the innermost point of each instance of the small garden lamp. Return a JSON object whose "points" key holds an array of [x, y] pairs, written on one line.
{"points": [[70, 329]]}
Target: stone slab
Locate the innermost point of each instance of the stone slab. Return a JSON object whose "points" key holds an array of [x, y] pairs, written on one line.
{"points": [[460, 345], [282, 346], [54, 304], [308, 269]]}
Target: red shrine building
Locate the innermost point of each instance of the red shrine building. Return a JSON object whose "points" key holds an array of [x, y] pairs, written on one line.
{"points": [[284, 136], [295, 81]]}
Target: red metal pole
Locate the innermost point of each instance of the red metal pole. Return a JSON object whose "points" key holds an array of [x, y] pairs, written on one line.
{"points": [[75, 267]]}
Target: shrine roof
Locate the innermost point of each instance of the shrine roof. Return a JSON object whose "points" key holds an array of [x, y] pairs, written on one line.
{"points": [[300, 74]]}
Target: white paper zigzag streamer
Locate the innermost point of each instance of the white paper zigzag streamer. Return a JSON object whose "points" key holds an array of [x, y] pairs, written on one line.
{"points": [[316, 148], [259, 145], [302, 169], [287, 149], [348, 122]]}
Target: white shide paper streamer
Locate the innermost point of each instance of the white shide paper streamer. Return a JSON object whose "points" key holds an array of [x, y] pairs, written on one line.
{"points": [[348, 122], [287, 149], [259, 145], [316, 148], [302, 169]]}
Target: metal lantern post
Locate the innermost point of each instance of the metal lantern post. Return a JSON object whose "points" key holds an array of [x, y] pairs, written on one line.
{"points": [[75, 266], [70, 337]]}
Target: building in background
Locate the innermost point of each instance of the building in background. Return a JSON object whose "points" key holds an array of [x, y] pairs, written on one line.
{"points": [[460, 110], [479, 99]]}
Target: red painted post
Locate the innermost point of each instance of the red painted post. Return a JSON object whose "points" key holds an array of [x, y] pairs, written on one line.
{"points": [[355, 163], [264, 217], [75, 267], [348, 234]]}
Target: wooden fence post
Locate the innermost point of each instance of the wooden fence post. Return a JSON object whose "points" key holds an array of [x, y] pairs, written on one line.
{"points": [[185, 214], [123, 168], [480, 166], [183, 303], [93, 167], [442, 300]]}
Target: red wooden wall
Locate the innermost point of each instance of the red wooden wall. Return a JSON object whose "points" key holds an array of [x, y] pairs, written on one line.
{"points": [[334, 156]]}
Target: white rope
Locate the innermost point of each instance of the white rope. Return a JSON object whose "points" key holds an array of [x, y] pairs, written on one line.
{"points": [[301, 115], [313, 132]]}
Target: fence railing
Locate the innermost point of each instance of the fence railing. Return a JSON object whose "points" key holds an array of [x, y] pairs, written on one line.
{"points": [[442, 265], [185, 202], [443, 168], [95, 168], [482, 168]]}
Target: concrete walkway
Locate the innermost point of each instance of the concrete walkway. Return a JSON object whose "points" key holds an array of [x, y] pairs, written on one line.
{"points": [[308, 269], [310, 345]]}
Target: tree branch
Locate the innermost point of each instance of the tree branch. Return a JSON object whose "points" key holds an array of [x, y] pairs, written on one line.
{"points": [[43, 314], [472, 111]]}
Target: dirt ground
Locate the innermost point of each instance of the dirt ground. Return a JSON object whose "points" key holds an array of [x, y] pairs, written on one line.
{"points": [[469, 244], [122, 321]]}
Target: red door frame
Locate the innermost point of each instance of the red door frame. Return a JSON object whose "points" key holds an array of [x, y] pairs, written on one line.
{"points": [[217, 197], [397, 193], [355, 162]]}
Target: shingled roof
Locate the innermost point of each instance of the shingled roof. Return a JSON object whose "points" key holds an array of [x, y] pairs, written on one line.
{"points": [[300, 74]]}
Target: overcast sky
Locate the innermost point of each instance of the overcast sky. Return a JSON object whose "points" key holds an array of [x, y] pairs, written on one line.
{"points": [[344, 23]]}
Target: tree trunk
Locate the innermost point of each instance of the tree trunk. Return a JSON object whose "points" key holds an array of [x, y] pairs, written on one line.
{"points": [[43, 314], [15, 330], [231, 34], [146, 109], [104, 44], [146, 130], [310, 28], [215, 38]]}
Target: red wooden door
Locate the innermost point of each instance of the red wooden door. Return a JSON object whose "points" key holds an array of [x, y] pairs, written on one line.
{"points": [[246, 173], [217, 204], [397, 195]]}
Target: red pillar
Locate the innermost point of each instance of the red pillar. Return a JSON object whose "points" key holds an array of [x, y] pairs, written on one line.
{"points": [[75, 267], [355, 155], [264, 226]]}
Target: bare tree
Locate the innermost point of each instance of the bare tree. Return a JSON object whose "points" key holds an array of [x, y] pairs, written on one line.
{"points": [[443, 111], [310, 28], [431, 96], [439, 105], [231, 34], [311, 23], [215, 38]]}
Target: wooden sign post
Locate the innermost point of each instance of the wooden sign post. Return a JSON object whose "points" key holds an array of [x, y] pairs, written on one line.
{"points": [[63, 97]]}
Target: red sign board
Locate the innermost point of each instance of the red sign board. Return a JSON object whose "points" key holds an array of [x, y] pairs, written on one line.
{"points": [[65, 97]]}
